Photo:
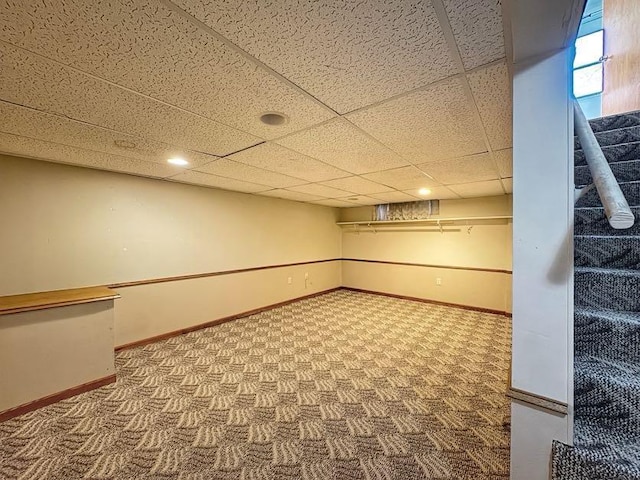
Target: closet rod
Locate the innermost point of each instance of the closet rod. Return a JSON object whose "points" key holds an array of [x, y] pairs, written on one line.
{"points": [[427, 220]]}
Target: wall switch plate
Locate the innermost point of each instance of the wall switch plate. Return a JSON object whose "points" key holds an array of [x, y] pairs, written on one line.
{"points": [[439, 281]]}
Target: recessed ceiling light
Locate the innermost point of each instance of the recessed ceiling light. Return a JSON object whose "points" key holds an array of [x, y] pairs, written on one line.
{"points": [[274, 118], [178, 161], [424, 191]]}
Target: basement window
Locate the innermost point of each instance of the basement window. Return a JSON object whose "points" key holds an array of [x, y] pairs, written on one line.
{"points": [[421, 210], [588, 78]]}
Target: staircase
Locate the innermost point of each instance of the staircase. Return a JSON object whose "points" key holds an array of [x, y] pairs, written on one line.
{"points": [[607, 320]]}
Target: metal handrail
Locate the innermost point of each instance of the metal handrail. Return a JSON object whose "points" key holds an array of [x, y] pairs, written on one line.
{"points": [[615, 205]]}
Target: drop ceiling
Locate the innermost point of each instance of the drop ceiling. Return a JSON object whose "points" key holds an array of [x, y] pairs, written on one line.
{"points": [[382, 98]]}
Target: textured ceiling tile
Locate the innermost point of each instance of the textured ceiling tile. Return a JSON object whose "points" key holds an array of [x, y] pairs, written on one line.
{"points": [[147, 47], [26, 122], [42, 150], [508, 184], [491, 88], [197, 178], [35, 82], [473, 168], [335, 203], [348, 54], [478, 189], [361, 200], [289, 195], [431, 124], [239, 171], [504, 159], [358, 185], [477, 28], [404, 178], [282, 160], [341, 144], [436, 193], [321, 190], [394, 197]]}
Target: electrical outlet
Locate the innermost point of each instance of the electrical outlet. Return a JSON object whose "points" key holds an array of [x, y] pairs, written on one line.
{"points": [[289, 280], [439, 281]]}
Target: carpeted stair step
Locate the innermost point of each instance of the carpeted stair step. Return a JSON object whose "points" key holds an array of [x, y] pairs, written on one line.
{"points": [[607, 289], [606, 401], [607, 251], [613, 154], [615, 122], [614, 137], [602, 462], [593, 221], [630, 190], [628, 171], [607, 319], [608, 336]]}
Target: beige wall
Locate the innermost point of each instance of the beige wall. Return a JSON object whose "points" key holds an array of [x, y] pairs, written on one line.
{"points": [[71, 227], [487, 245], [45, 352], [66, 227], [75, 227], [149, 310]]}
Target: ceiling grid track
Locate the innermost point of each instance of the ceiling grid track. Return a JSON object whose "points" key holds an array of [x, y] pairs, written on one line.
{"points": [[455, 53], [210, 31]]}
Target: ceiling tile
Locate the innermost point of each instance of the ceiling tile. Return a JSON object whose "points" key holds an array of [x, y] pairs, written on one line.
{"points": [[282, 160], [239, 171], [198, 178], [504, 159], [508, 184], [394, 197], [473, 168], [151, 49], [54, 152], [404, 178], [289, 195], [477, 28], [341, 144], [358, 185], [335, 203], [362, 200], [347, 54], [491, 88], [30, 123], [29, 80], [478, 189], [321, 190], [437, 193], [430, 124]]}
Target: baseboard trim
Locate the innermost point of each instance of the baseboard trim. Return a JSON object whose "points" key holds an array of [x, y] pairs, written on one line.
{"points": [[56, 397], [219, 321], [538, 401], [433, 302]]}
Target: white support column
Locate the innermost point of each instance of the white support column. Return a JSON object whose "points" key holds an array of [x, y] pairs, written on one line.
{"points": [[542, 258]]}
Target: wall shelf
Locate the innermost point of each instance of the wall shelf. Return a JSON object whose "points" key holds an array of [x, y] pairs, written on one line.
{"points": [[426, 221]]}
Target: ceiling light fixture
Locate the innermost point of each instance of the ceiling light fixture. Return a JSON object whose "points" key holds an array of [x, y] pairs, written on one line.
{"points": [[178, 161], [424, 191], [124, 144], [274, 118]]}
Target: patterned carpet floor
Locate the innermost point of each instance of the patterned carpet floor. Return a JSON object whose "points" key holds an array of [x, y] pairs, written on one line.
{"points": [[341, 386]]}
